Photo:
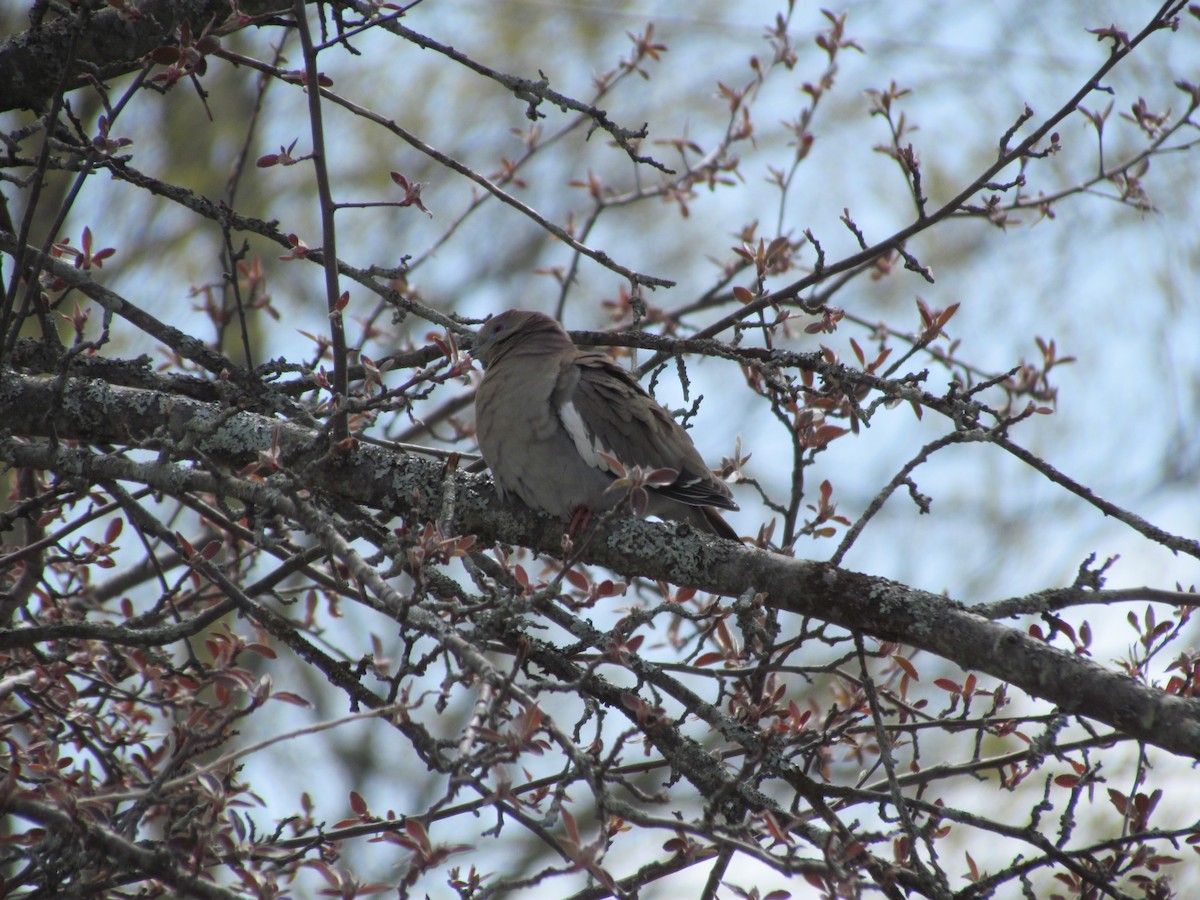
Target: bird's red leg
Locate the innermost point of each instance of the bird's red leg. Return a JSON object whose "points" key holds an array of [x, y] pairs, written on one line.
{"points": [[579, 521]]}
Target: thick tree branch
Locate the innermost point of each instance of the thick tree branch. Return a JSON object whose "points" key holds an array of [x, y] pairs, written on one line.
{"points": [[94, 412], [152, 860], [110, 44]]}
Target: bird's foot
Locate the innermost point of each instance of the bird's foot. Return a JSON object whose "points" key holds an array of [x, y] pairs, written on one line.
{"points": [[579, 521]]}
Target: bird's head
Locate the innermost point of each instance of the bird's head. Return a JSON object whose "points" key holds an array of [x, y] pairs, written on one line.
{"points": [[514, 328]]}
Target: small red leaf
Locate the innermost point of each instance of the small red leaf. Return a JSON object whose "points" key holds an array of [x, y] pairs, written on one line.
{"points": [[909, 669], [294, 699], [114, 530], [521, 576]]}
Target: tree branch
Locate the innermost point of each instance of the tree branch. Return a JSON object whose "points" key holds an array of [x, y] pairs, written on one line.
{"points": [[111, 45], [154, 860], [97, 413]]}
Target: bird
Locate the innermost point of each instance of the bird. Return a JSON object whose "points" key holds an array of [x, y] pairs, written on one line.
{"points": [[558, 425]]}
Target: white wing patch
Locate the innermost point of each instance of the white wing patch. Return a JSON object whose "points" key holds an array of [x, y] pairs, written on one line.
{"points": [[588, 448]]}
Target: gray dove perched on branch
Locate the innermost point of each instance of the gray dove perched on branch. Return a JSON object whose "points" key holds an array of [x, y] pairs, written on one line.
{"points": [[558, 425]]}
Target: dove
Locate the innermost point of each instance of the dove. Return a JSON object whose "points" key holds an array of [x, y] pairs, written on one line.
{"points": [[557, 425]]}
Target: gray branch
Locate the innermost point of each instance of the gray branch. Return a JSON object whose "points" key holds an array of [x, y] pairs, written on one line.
{"points": [[93, 412], [108, 44]]}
